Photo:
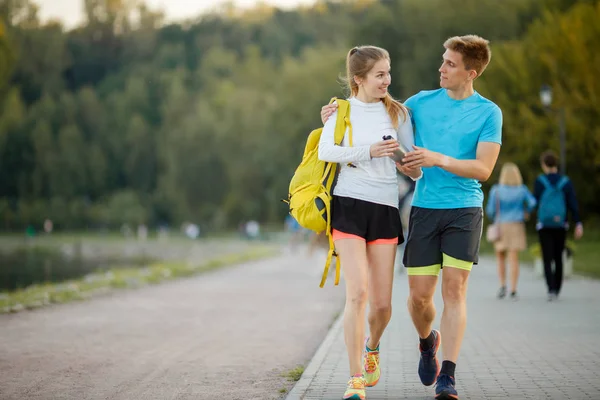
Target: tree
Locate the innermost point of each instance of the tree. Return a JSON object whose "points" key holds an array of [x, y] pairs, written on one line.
{"points": [[19, 13], [72, 163], [13, 145], [558, 50], [7, 56], [140, 162], [46, 161], [414, 34], [41, 59], [127, 120]]}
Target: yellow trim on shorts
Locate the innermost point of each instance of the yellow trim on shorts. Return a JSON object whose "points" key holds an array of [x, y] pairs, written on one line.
{"points": [[434, 270], [456, 263], [430, 270]]}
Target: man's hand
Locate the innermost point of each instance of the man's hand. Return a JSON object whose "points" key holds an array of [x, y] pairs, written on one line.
{"points": [[413, 173], [423, 158], [385, 148], [578, 231], [327, 110]]}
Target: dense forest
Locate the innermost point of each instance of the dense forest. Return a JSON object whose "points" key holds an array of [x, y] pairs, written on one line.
{"points": [[128, 119]]}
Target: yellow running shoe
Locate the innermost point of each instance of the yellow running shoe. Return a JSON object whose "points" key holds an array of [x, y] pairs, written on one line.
{"points": [[372, 372], [356, 388]]}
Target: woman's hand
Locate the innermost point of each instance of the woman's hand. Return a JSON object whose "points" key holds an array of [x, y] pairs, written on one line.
{"points": [[385, 148], [413, 173]]}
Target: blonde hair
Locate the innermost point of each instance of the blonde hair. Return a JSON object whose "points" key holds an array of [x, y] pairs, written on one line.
{"points": [[510, 175], [359, 61], [474, 49]]}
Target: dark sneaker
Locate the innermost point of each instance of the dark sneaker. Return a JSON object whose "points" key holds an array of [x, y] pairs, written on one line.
{"points": [[502, 292], [514, 296], [428, 365], [444, 388]]}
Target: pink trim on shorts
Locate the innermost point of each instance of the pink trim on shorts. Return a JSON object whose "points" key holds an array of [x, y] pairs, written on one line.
{"points": [[384, 241], [337, 235]]}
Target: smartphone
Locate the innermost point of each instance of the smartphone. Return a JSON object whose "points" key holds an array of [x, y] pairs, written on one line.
{"points": [[399, 153], [398, 156]]}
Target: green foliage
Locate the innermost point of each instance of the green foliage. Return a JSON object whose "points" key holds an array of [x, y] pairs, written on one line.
{"points": [[128, 120], [585, 252], [413, 31], [559, 50], [295, 374]]}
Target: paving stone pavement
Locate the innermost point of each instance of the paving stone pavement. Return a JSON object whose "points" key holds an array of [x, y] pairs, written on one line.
{"points": [[525, 349]]}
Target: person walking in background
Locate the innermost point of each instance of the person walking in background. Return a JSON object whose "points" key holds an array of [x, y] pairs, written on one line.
{"points": [[365, 221], [509, 206], [555, 196]]}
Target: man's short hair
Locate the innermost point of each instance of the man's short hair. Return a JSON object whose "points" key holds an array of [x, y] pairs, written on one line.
{"points": [[549, 159], [474, 49]]}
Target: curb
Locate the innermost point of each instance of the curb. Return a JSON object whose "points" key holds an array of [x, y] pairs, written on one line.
{"points": [[299, 389]]}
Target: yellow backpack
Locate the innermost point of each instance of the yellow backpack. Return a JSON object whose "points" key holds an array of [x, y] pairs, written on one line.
{"points": [[311, 186]]}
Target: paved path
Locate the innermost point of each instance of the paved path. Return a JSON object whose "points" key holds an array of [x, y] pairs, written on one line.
{"points": [[526, 349], [228, 334]]}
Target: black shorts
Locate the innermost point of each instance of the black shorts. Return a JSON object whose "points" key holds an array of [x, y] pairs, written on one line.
{"points": [[370, 221], [432, 232]]}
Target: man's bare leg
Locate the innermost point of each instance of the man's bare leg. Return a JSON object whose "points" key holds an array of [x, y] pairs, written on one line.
{"points": [[420, 302], [454, 316]]}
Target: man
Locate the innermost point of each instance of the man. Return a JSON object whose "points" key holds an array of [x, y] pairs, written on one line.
{"points": [[458, 138], [555, 195]]}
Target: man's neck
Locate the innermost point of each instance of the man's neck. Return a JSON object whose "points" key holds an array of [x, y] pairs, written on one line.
{"points": [[461, 93]]}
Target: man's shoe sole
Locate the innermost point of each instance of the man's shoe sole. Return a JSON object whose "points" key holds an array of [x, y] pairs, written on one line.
{"points": [[446, 396]]}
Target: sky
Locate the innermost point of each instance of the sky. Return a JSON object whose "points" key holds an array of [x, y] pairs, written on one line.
{"points": [[70, 11]]}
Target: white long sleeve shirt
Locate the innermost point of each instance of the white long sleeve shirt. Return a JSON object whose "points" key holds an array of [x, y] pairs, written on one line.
{"points": [[374, 180]]}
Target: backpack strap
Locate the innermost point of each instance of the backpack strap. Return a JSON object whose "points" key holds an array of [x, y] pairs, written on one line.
{"points": [[330, 255], [331, 252], [545, 181], [562, 182], [343, 121], [559, 185]]}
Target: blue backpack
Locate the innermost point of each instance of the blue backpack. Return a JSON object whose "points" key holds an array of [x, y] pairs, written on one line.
{"points": [[552, 210]]}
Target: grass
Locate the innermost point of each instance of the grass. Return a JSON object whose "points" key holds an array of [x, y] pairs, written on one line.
{"points": [[587, 254], [36, 296], [294, 374], [586, 251]]}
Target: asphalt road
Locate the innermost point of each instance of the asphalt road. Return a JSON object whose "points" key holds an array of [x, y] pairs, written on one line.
{"points": [[229, 334]]}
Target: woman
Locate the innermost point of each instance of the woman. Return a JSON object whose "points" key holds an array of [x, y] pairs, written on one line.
{"points": [[509, 206], [366, 224]]}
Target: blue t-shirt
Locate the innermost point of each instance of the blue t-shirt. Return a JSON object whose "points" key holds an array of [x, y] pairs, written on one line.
{"points": [[453, 128]]}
